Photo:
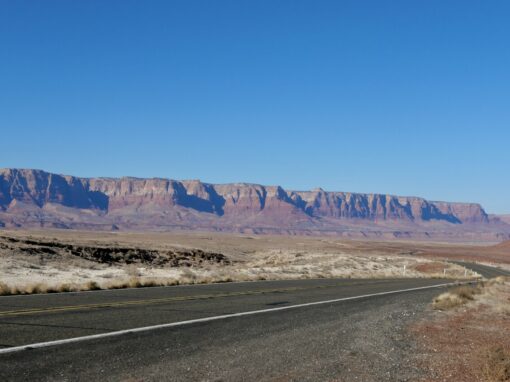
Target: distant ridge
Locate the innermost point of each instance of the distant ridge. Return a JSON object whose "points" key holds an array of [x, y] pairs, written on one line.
{"points": [[504, 245], [35, 198]]}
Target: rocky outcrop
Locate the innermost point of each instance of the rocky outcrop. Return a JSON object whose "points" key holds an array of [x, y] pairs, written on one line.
{"points": [[39, 188], [500, 218], [113, 254], [31, 197]]}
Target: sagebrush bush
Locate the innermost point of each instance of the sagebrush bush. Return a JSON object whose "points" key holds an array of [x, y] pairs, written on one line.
{"points": [[5, 290], [456, 297], [92, 285]]}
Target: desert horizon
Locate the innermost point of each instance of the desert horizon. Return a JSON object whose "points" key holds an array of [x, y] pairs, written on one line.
{"points": [[35, 198], [266, 191]]}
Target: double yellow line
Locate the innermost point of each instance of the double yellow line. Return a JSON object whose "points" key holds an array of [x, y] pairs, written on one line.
{"points": [[68, 308]]}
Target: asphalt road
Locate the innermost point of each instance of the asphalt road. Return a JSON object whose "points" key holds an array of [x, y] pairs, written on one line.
{"points": [[40, 318], [174, 353], [484, 270]]}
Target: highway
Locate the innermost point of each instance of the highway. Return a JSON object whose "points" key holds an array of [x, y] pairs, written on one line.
{"points": [[484, 270], [39, 318], [185, 329]]}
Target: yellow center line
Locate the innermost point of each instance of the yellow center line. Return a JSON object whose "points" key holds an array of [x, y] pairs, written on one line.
{"points": [[57, 309]]}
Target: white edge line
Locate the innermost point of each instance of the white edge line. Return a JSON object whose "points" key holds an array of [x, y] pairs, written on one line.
{"points": [[208, 319]]}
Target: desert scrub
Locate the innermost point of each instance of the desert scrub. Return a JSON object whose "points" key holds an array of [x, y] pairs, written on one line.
{"points": [[496, 365], [500, 280], [38, 288], [92, 285], [5, 290], [456, 297]]}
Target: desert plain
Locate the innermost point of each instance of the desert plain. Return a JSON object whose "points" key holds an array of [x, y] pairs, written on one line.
{"points": [[33, 261]]}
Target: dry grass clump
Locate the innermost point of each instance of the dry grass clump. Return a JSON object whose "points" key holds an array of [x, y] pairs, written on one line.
{"points": [[92, 285], [463, 294], [131, 282], [447, 301], [5, 290], [456, 297], [468, 292], [496, 365], [500, 280], [137, 282], [37, 288]]}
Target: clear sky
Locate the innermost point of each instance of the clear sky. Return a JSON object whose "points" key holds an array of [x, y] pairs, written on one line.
{"points": [[402, 97]]}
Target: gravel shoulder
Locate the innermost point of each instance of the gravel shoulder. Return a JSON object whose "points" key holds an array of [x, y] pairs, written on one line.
{"points": [[468, 340]]}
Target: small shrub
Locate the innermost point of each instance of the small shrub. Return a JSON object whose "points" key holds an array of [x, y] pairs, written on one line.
{"points": [[467, 292], [447, 301], [92, 285], [35, 289], [135, 282], [455, 297], [52, 290], [151, 283], [224, 280], [122, 285], [65, 288], [5, 290], [500, 280]]}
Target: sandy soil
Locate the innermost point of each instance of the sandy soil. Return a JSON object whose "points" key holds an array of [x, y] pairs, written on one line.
{"points": [[28, 257], [468, 342]]}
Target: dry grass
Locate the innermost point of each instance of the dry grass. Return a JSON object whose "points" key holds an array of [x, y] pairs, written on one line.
{"points": [[272, 265], [37, 288], [469, 344], [92, 285], [456, 297], [496, 365], [292, 264], [253, 259], [188, 277], [500, 280], [4, 289]]}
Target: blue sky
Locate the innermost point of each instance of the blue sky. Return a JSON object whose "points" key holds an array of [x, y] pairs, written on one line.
{"points": [[401, 97]]}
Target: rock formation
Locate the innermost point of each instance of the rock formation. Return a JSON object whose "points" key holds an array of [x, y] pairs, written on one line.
{"points": [[35, 198]]}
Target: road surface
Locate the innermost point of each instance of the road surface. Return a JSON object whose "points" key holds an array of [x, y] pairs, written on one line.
{"points": [[318, 339], [484, 270]]}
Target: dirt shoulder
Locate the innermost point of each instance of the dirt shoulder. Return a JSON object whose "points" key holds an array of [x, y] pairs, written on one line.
{"points": [[467, 337]]}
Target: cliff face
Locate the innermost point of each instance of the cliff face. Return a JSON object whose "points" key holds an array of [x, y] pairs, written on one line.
{"points": [[38, 188], [387, 207], [28, 196]]}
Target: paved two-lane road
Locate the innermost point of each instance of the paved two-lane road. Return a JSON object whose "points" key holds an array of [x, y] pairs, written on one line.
{"points": [[484, 270], [38, 318], [307, 342]]}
